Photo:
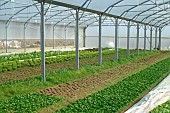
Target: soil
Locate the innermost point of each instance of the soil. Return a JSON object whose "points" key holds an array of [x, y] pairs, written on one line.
{"points": [[85, 86], [30, 72]]}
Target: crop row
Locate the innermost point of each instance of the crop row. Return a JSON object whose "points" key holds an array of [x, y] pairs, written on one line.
{"points": [[32, 55], [28, 103], [13, 65], [116, 97], [164, 108]]}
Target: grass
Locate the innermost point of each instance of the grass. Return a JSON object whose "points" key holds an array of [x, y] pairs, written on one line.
{"points": [[32, 85], [114, 98]]}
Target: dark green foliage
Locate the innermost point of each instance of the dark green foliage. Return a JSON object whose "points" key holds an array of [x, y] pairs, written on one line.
{"points": [[26, 103], [114, 98]]}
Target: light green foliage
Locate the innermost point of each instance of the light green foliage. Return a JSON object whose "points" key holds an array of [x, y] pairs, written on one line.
{"points": [[164, 108]]}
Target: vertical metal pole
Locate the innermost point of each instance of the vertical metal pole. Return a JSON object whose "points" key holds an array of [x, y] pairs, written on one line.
{"points": [[116, 39], [100, 40], [77, 39], [145, 40], [156, 30], [42, 43], [24, 38], [65, 36], [84, 36], [128, 39], [137, 43], [160, 38], [53, 37], [6, 35], [151, 39]]}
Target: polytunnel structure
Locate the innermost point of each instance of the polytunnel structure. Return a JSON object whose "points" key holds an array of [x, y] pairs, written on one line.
{"points": [[84, 56], [149, 14]]}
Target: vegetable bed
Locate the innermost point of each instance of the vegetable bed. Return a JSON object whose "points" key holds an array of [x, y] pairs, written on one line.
{"points": [[26, 103], [123, 93], [34, 60], [164, 108]]}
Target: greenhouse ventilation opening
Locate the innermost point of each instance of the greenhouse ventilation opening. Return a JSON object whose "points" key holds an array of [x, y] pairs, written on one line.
{"points": [[80, 14]]}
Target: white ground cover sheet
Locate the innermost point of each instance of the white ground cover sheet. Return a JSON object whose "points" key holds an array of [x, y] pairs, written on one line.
{"points": [[159, 95]]}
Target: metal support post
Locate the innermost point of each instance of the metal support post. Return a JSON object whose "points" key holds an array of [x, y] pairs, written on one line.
{"points": [[160, 38], [77, 39], [6, 40], [84, 36], [24, 38], [116, 39], [128, 39], [42, 43], [100, 40], [156, 30], [54, 37], [65, 37], [151, 39], [137, 43], [145, 39]]}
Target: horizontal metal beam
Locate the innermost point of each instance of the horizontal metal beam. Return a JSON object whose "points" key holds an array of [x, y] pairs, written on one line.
{"points": [[90, 10]]}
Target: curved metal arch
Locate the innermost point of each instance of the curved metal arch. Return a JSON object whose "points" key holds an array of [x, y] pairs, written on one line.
{"points": [[73, 14], [161, 20], [134, 7], [26, 23], [81, 22], [111, 6], [7, 23], [93, 23], [85, 3], [164, 23], [66, 18], [149, 9], [153, 14], [86, 20], [157, 17], [56, 15], [62, 19], [4, 3]]}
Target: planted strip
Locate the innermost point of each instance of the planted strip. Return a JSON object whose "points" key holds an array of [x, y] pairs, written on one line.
{"points": [[164, 108], [13, 65], [27, 103], [116, 97]]}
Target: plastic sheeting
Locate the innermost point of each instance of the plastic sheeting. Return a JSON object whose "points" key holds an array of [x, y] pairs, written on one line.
{"points": [[157, 96]]}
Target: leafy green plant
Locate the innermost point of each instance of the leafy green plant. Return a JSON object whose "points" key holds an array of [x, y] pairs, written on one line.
{"points": [[164, 108], [13, 65], [114, 98], [27, 103]]}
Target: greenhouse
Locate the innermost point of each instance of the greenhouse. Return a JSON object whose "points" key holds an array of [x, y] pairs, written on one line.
{"points": [[88, 56]]}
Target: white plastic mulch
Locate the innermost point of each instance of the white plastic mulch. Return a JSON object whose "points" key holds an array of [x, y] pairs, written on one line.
{"points": [[157, 96]]}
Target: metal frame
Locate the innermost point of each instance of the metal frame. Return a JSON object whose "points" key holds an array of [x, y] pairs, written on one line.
{"points": [[42, 43], [128, 39], [116, 39], [151, 29], [145, 38], [86, 13], [100, 39], [77, 39], [156, 30]]}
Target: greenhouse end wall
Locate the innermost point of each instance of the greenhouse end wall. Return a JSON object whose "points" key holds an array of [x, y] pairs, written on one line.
{"points": [[63, 37]]}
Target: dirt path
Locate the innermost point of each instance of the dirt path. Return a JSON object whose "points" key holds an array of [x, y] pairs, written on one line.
{"points": [[82, 87]]}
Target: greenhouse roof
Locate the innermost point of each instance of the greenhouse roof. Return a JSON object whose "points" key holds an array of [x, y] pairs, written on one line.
{"points": [[62, 12]]}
